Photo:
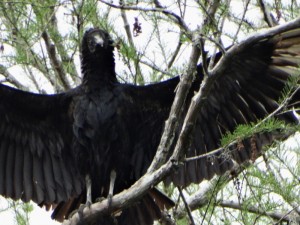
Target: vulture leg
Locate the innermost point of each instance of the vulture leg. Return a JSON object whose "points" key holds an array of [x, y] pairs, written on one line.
{"points": [[88, 203], [113, 176], [88, 182]]}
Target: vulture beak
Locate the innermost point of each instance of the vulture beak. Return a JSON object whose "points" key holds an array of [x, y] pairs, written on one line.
{"points": [[96, 40]]}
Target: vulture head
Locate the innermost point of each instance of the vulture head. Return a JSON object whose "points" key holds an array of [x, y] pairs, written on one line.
{"points": [[97, 55], [97, 41]]}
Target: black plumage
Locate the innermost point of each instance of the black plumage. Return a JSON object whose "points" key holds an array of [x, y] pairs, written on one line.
{"points": [[49, 143]]}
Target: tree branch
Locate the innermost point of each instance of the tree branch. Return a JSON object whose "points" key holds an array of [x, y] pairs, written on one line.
{"points": [[138, 76], [10, 78], [278, 216], [177, 19], [61, 49], [175, 53], [55, 62], [268, 17], [176, 110], [201, 197], [179, 101], [186, 206]]}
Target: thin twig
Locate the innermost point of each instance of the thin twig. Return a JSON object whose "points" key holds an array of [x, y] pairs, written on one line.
{"points": [[138, 77], [175, 17], [242, 20], [280, 217], [268, 17], [10, 78], [56, 64], [187, 208], [175, 53]]}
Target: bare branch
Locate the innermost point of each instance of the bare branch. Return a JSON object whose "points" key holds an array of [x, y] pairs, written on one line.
{"points": [[268, 17], [176, 110], [242, 20], [287, 166], [187, 208], [10, 78], [201, 197], [155, 67], [177, 19], [138, 76], [278, 216], [61, 49], [56, 64], [177, 49]]}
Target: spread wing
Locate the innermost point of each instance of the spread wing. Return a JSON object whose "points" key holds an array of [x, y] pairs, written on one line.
{"points": [[248, 90], [35, 158]]}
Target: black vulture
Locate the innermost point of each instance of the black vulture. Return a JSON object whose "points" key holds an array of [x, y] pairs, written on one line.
{"points": [[51, 145]]}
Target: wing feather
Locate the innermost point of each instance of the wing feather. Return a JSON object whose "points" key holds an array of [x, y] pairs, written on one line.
{"points": [[248, 89], [9, 170], [36, 162], [3, 153], [18, 176], [49, 177], [38, 180], [27, 174], [251, 86]]}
